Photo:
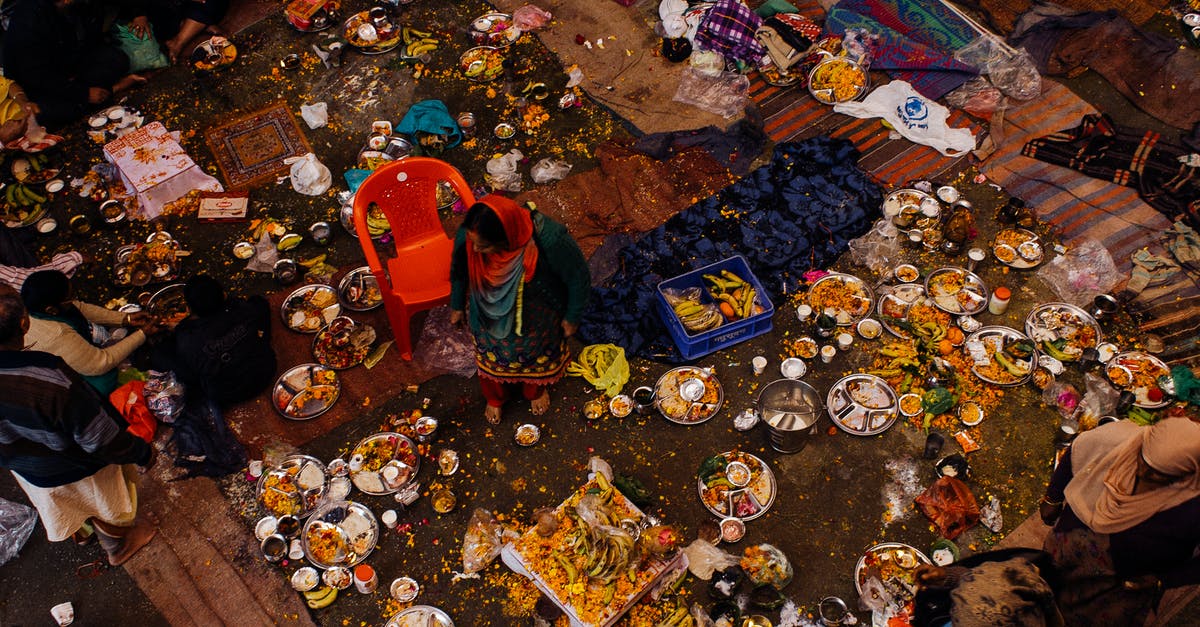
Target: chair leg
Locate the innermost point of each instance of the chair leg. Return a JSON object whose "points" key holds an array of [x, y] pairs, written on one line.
{"points": [[401, 331]]}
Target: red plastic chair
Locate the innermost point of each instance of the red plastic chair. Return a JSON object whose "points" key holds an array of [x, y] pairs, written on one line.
{"points": [[418, 277]]}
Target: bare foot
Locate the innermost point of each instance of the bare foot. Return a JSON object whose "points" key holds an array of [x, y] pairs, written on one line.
{"points": [[492, 414], [137, 537], [540, 404]]}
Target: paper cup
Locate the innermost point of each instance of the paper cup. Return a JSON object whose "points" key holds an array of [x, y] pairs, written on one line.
{"points": [[827, 353], [804, 312], [844, 340], [759, 364], [388, 518], [63, 613]]}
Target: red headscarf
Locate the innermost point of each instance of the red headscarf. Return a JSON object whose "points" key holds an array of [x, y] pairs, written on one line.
{"points": [[493, 268]]}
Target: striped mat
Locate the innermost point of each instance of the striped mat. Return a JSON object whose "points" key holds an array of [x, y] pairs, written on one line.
{"points": [[791, 114], [1080, 207]]}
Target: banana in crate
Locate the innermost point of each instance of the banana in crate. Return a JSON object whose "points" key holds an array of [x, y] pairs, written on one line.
{"points": [[694, 315]]}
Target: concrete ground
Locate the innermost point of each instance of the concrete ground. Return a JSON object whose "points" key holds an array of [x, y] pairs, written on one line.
{"points": [[838, 496]]}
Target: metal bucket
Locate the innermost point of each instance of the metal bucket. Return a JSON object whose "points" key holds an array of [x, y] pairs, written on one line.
{"points": [[790, 409]]}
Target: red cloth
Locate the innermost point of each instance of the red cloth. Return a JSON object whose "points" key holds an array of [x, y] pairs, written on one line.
{"points": [[130, 400], [496, 392], [492, 269]]}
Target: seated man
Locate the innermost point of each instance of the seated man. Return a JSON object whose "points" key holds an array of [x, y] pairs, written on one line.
{"points": [[55, 50], [223, 348]]}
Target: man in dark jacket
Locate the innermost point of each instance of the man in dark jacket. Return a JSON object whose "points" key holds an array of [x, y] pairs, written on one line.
{"points": [[56, 51], [68, 448], [223, 348]]}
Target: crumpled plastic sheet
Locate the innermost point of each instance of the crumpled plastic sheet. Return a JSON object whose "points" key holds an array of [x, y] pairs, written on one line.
{"points": [[444, 347], [792, 215], [1082, 273], [16, 524], [879, 248], [725, 95]]}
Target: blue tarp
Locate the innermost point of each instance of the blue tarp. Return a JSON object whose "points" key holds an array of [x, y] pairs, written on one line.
{"points": [[792, 215]]}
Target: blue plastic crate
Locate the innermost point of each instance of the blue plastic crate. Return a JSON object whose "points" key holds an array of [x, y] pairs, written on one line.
{"points": [[729, 333]]}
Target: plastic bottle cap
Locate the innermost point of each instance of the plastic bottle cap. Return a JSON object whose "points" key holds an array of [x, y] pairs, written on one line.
{"points": [[1003, 293]]}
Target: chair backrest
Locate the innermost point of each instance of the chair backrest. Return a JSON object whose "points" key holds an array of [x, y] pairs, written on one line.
{"points": [[406, 192]]}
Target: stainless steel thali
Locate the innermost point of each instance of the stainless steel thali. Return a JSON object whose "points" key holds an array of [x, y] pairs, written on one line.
{"points": [[957, 291], [857, 290], [420, 616], [305, 391], [754, 498], [676, 400], [1014, 258], [310, 308], [1139, 363], [361, 283], [993, 338], [862, 404], [380, 451], [894, 564], [898, 299], [293, 487], [342, 533], [1053, 321]]}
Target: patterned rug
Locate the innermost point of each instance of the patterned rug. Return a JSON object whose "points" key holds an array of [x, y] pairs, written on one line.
{"points": [[252, 148]]}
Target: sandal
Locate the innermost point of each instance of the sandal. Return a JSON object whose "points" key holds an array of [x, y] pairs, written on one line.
{"points": [[92, 570]]}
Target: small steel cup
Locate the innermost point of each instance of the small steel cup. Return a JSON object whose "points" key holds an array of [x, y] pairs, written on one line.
{"points": [[1104, 306], [466, 123], [643, 399], [321, 233]]}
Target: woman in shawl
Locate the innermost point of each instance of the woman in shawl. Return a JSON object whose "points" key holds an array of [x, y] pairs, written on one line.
{"points": [[521, 284], [1125, 505]]}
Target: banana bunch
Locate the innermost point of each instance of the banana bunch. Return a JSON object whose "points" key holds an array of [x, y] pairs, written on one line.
{"points": [[320, 597], [417, 42], [730, 289], [929, 331], [377, 222], [679, 616], [902, 354], [696, 317], [611, 556], [22, 195]]}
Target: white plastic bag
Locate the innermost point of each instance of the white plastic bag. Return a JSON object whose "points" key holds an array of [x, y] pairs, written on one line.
{"points": [[315, 115], [502, 172], [914, 116], [704, 559], [548, 170], [309, 176], [16, 523]]}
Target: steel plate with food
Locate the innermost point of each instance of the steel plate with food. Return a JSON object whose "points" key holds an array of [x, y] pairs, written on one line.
{"points": [[482, 64], [420, 616], [848, 296], [1062, 330], [957, 291], [359, 290], [1138, 372], [306, 391], [904, 306], [343, 343], [734, 484], [493, 29], [370, 37], [837, 79], [293, 488], [1012, 247], [688, 395], [772, 75], [168, 305], [1001, 355], [342, 533], [310, 308], [893, 565], [901, 198], [214, 53], [862, 404], [383, 463]]}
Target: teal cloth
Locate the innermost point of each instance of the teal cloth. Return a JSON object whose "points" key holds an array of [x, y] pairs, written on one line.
{"points": [[431, 117], [103, 383], [771, 7], [355, 177]]}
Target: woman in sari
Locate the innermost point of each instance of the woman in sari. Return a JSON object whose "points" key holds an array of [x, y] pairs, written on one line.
{"points": [[1125, 505], [521, 284]]}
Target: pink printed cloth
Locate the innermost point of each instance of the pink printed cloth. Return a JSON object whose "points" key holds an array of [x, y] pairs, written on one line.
{"points": [[156, 169]]}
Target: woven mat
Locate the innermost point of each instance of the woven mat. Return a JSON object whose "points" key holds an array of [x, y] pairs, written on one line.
{"points": [[252, 148]]}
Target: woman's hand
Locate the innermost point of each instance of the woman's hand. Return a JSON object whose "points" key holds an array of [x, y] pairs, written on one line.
{"points": [[139, 319], [929, 575], [569, 328], [140, 26], [457, 317]]}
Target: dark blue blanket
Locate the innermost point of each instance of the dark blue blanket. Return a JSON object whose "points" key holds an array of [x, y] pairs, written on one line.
{"points": [[792, 215]]}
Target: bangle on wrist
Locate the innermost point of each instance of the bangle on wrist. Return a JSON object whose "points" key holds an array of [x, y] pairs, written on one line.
{"points": [[1046, 501]]}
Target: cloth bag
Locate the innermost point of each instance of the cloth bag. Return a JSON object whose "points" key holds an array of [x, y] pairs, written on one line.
{"points": [[914, 116], [430, 117], [143, 52]]}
